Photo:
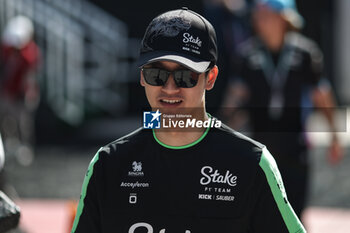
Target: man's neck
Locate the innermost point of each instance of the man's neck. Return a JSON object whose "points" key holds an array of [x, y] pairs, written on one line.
{"points": [[177, 136]]}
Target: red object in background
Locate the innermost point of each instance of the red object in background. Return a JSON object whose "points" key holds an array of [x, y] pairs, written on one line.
{"points": [[15, 66]]}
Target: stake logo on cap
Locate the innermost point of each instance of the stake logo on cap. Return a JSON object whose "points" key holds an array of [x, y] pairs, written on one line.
{"points": [[182, 36]]}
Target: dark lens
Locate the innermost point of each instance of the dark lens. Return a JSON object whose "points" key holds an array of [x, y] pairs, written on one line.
{"points": [[154, 76], [186, 78]]}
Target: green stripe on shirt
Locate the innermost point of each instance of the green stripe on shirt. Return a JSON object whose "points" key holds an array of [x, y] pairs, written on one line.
{"points": [[83, 190], [274, 179]]}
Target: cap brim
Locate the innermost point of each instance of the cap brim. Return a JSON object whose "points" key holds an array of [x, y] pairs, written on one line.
{"points": [[294, 18], [191, 63]]}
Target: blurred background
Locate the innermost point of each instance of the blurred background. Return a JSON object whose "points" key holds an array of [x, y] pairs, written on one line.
{"points": [[81, 91]]}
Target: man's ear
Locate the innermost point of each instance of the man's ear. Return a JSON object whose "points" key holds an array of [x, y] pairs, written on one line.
{"points": [[211, 78], [142, 80]]}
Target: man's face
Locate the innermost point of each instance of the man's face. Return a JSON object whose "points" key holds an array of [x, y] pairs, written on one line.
{"points": [[170, 97], [268, 23]]}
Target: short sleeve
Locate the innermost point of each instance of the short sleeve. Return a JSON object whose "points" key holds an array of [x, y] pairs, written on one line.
{"points": [[87, 218], [272, 211]]}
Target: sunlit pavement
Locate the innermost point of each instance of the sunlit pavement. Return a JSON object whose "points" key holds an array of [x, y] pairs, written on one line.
{"points": [[327, 220], [43, 216]]}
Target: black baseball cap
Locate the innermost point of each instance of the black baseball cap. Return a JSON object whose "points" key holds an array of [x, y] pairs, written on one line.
{"points": [[182, 36]]}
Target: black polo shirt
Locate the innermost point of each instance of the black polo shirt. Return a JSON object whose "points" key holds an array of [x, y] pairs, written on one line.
{"points": [[224, 182]]}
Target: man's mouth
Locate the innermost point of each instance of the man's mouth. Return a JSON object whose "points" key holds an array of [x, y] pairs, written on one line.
{"points": [[167, 101]]}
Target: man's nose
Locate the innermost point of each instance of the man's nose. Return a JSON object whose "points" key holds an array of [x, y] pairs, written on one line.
{"points": [[170, 85]]}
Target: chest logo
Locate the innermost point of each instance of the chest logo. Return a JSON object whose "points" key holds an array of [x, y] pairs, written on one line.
{"points": [[214, 176], [136, 169], [137, 166]]}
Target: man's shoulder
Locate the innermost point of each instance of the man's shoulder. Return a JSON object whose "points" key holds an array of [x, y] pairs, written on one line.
{"points": [[131, 140], [236, 141], [235, 135], [301, 42]]}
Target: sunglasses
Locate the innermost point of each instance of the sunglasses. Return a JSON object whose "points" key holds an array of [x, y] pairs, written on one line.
{"points": [[159, 77]]}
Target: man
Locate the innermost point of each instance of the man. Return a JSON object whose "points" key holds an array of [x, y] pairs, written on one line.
{"points": [[182, 179], [281, 71], [19, 90]]}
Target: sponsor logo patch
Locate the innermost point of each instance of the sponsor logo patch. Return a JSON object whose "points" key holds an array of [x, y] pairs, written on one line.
{"points": [[217, 186]]}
